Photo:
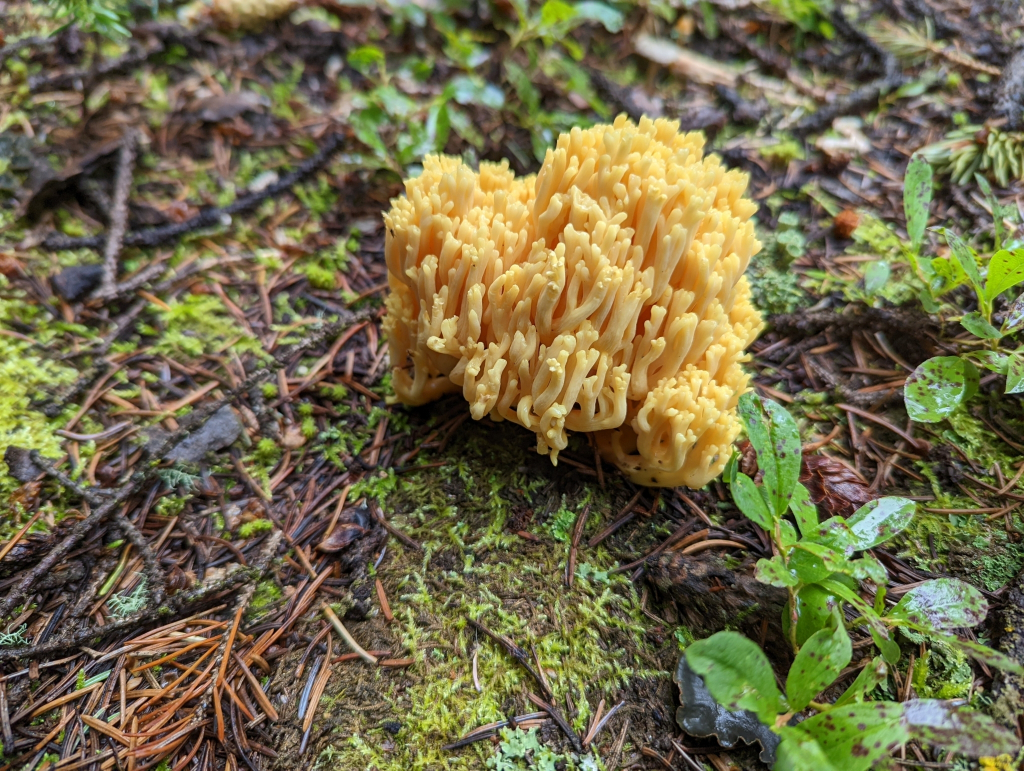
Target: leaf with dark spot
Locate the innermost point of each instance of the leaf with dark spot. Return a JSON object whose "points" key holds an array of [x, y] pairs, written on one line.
{"points": [[818, 664], [957, 728], [941, 605], [938, 386], [851, 738], [880, 520], [737, 673], [774, 434]]}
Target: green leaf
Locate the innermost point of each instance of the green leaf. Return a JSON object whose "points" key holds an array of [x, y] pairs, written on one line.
{"points": [[604, 15], [798, 752], [938, 386], [775, 573], [814, 609], [966, 258], [520, 80], [805, 512], [366, 124], [993, 204], [876, 274], [749, 500], [556, 12], [813, 562], [1005, 271], [870, 676], [731, 468], [775, 437], [1014, 317], [867, 569], [834, 533], [888, 647], [737, 673], [818, 664], [942, 605], [1015, 374], [992, 360], [957, 729], [877, 521], [363, 59], [917, 197], [466, 89], [947, 275], [975, 323], [854, 737]]}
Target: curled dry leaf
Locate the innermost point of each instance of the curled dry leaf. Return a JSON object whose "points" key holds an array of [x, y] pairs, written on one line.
{"points": [[833, 485], [352, 524], [292, 437]]}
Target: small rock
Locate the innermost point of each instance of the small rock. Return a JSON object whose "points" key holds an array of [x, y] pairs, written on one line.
{"points": [[20, 465], [391, 726], [218, 432], [74, 283]]}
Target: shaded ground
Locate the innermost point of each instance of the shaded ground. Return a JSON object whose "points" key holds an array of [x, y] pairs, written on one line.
{"points": [[252, 276]]}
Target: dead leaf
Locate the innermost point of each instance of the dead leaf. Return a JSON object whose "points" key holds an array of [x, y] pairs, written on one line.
{"points": [[833, 485], [292, 437]]}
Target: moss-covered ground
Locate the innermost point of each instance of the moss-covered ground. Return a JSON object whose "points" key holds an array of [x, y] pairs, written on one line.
{"points": [[593, 640]]}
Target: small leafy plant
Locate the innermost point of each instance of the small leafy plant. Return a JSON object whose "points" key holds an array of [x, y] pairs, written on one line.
{"points": [[941, 384], [108, 17], [817, 563]]}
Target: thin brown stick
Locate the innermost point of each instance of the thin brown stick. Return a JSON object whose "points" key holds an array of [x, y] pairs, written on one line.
{"points": [[118, 215]]}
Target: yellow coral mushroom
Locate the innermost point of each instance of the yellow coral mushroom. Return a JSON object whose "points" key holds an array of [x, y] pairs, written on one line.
{"points": [[606, 294]]}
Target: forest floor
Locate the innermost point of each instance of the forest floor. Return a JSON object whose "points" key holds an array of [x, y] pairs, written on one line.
{"points": [[166, 603]]}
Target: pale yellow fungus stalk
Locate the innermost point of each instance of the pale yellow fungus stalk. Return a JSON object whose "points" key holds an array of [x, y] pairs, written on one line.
{"points": [[606, 294]]}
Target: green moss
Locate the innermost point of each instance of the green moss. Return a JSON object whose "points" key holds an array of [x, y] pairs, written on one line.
{"points": [[199, 324], [781, 153], [257, 526], [267, 593], [591, 639], [774, 287], [24, 377], [267, 452]]}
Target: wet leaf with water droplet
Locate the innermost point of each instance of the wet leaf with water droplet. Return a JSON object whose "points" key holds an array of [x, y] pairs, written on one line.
{"points": [[942, 605], [957, 728], [937, 387]]}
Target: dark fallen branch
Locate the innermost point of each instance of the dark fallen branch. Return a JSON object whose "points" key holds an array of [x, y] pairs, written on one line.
{"points": [[175, 606], [149, 237], [560, 721], [486, 732], [515, 652], [118, 216], [864, 98]]}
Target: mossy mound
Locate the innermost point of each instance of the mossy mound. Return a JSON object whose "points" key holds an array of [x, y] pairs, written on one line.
{"points": [[594, 639]]}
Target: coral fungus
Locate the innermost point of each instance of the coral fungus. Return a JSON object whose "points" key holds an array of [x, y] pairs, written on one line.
{"points": [[606, 295]]}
